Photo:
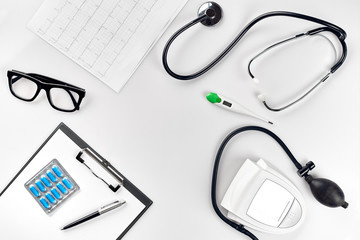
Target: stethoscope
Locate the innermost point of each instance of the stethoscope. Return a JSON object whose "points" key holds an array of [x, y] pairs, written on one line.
{"points": [[210, 14]]}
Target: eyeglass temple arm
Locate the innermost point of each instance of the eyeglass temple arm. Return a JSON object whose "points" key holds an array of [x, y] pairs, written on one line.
{"points": [[73, 100], [52, 80]]}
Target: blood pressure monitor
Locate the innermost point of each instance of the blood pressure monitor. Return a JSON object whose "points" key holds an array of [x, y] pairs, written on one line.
{"points": [[263, 199]]}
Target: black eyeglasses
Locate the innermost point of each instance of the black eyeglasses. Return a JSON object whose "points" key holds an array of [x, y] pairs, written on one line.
{"points": [[62, 96]]}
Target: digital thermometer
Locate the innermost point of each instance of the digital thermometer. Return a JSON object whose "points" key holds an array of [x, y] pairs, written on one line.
{"points": [[231, 105]]}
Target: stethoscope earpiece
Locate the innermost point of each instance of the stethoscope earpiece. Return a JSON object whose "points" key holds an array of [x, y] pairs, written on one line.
{"points": [[213, 12]]}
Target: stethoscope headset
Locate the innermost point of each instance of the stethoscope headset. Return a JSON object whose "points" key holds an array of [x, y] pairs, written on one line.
{"points": [[210, 14], [325, 191]]}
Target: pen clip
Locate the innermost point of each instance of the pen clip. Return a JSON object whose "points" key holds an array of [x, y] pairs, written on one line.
{"points": [[104, 164]]}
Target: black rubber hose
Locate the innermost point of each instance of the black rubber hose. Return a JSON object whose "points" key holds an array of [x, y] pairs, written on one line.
{"points": [[340, 33]]}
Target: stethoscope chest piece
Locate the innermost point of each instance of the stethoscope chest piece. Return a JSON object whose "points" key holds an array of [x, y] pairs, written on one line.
{"points": [[213, 11]]}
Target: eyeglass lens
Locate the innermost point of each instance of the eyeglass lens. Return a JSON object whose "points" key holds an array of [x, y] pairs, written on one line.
{"points": [[23, 87], [59, 98], [63, 98]]}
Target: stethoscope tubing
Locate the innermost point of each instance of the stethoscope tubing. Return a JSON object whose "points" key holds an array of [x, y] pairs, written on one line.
{"points": [[339, 32]]}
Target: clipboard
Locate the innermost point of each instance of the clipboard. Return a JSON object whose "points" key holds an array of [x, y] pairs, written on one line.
{"points": [[22, 218]]}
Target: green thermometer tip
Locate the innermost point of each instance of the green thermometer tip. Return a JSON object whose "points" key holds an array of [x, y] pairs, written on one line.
{"points": [[213, 98]]}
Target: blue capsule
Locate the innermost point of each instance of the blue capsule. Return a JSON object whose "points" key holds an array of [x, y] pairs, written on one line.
{"points": [[44, 203], [45, 181], [55, 193], [57, 171], [67, 183], [40, 185], [50, 198], [34, 191], [51, 176], [61, 188]]}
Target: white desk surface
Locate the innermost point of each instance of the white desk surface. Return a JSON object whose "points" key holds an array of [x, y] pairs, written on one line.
{"points": [[163, 134]]}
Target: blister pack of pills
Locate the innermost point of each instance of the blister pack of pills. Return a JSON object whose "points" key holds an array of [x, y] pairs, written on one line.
{"points": [[51, 186]]}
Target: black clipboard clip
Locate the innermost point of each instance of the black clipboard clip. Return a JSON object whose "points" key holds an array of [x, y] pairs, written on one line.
{"points": [[103, 163]]}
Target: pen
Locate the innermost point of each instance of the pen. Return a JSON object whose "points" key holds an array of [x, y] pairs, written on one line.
{"points": [[97, 213]]}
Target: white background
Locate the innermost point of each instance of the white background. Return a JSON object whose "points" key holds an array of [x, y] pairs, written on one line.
{"points": [[163, 134]]}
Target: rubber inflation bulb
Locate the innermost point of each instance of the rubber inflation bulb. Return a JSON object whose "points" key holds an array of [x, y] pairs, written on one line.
{"points": [[326, 192]]}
